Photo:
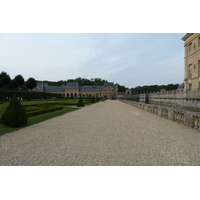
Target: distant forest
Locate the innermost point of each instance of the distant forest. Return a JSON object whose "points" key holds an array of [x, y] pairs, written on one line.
{"points": [[154, 88]]}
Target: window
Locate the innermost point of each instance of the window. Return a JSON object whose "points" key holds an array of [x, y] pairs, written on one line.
{"points": [[190, 71], [190, 86], [190, 47]]}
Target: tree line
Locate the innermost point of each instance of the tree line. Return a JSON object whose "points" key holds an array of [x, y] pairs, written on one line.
{"points": [[18, 83], [79, 80], [154, 88]]}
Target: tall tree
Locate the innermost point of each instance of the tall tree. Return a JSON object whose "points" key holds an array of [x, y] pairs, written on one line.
{"points": [[4, 79], [31, 83], [18, 81]]}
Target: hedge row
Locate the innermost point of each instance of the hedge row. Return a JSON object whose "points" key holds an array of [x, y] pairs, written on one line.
{"points": [[27, 95], [38, 109], [41, 110]]}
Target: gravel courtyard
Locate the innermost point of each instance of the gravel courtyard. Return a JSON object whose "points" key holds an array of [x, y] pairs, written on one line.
{"points": [[108, 133]]}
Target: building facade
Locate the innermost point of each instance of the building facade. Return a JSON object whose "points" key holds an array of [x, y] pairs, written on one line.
{"points": [[192, 61], [73, 90]]}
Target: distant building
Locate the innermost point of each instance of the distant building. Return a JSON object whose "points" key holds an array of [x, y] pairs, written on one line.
{"points": [[192, 61], [73, 90], [39, 87]]}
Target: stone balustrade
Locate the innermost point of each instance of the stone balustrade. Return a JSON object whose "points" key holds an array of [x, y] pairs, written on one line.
{"points": [[188, 118]]}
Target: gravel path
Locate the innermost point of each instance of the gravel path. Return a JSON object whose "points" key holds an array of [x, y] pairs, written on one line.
{"points": [[111, 133]]}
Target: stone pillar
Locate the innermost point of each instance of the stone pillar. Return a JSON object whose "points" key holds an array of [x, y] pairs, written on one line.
{"points": [[116, 90], [186, 68]]}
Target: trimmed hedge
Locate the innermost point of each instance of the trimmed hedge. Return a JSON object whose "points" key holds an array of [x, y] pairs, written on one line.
{"points": [[14, 115], [27, 95], [80, 103], [31, 113], [37, 109]]}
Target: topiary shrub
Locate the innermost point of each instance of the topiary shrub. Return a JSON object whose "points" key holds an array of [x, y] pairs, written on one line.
{"points": [[92, 100], [14, 115], [80, 103]]}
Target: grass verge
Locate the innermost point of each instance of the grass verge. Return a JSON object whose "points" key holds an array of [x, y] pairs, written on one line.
{"points": [[36, 119]]}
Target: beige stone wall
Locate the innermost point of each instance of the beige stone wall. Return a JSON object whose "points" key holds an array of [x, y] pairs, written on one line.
{"points": [[182, 98], [87, 94], [188, 118], [192, 60], [109, 92], [72, 92]]}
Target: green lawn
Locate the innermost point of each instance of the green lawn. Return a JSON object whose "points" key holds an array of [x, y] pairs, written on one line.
{"points": [[42, 117], [37, 119], [61, 102]]}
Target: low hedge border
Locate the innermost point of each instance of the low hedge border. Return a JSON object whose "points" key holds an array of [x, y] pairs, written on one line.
{"points": [[43, 111]]}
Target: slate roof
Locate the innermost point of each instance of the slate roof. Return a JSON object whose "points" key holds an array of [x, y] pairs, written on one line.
{"points": [[181, 86], [54, 88], [40, 85], [108, 84], [90, 88], [72, 85]]}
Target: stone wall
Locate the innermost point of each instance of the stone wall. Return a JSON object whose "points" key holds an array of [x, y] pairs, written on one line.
{"points": [[188, 118], [186, 98]]}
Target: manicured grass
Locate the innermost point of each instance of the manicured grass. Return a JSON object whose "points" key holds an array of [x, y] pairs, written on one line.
{"points": [[42, 117], [60, 102], [37, 119]]}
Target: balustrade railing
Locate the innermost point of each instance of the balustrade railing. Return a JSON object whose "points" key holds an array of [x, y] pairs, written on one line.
{"points": [[189, 118], [179, 117]]}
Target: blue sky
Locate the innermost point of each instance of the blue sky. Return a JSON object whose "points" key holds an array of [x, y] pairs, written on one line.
{"points": [[130, 59]]}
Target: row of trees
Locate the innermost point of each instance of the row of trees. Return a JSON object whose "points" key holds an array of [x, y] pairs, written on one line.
{"points": [[80, 81], [18, 82], [154, 88], [6, 83]]}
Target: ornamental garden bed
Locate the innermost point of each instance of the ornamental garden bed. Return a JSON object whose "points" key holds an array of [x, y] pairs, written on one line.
{"points": [[33, 110]]}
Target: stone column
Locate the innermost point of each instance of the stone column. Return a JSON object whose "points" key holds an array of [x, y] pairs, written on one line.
{"points": [[186, 68]]}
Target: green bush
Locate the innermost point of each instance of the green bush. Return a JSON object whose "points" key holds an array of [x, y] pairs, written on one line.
{"points": [[80, 103], [14, 115], [92, 100], [29, 95]]}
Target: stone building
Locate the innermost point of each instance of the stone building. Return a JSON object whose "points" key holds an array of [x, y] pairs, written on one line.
{"points": [[73, 90], [192, 61]]}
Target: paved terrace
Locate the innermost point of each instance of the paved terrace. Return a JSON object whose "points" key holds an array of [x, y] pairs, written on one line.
{"points": [[111, 133]]}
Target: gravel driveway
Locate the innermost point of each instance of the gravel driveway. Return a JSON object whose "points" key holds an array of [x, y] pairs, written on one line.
{"points": [[110, 133]]}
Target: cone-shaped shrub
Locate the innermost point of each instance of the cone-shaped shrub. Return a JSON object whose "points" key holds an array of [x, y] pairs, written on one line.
{"points": [[92, 100], [80, 103], [14, 115]]}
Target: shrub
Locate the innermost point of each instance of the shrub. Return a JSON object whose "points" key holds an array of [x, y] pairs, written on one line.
{"points": [[92, 100], [80, 103], [14, 115]]}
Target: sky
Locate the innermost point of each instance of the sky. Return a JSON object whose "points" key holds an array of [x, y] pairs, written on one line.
{"points": [[129, 59]]}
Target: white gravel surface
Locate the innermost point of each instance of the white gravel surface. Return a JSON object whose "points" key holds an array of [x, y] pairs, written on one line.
{"points": [[110, 133]]}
